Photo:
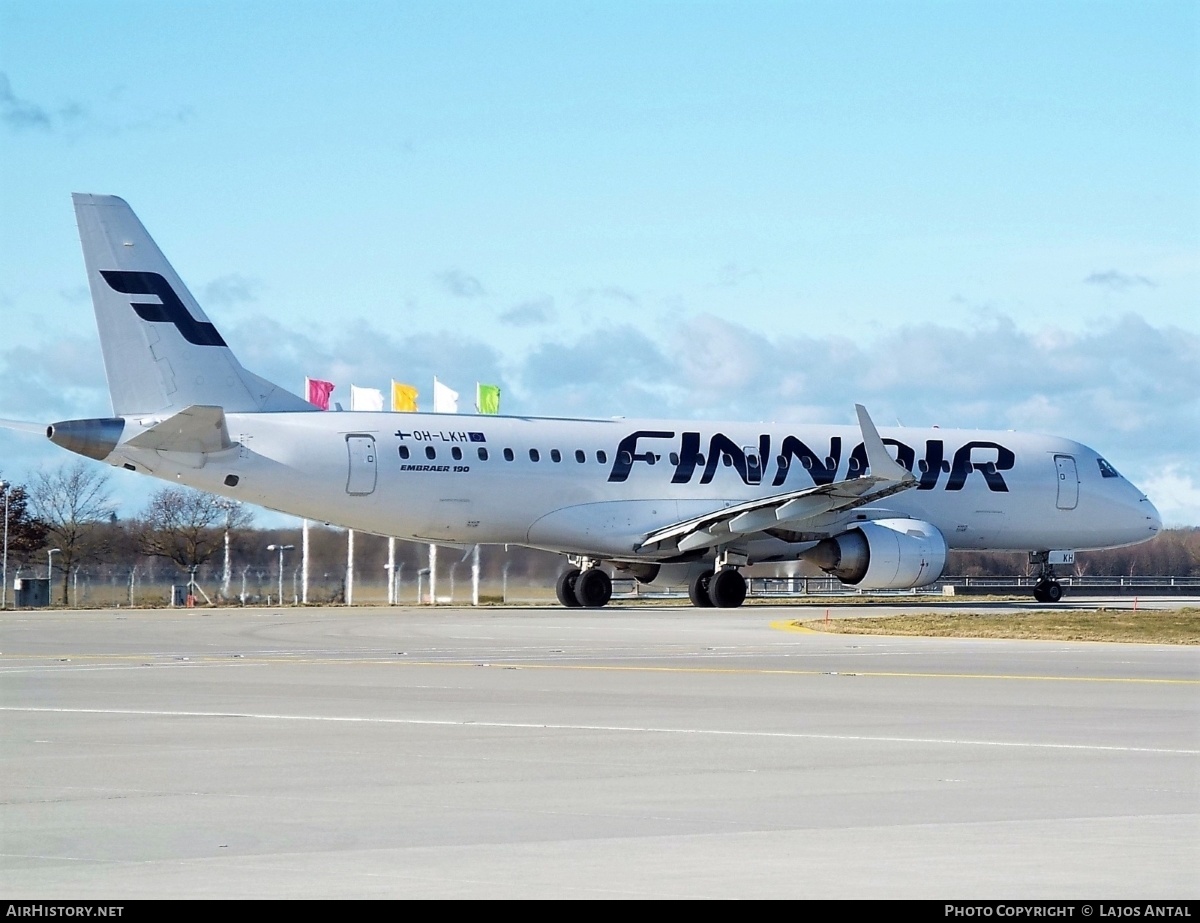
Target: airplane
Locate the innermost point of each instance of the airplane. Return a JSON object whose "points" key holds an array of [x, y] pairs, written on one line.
{"points": [[663, 501]]}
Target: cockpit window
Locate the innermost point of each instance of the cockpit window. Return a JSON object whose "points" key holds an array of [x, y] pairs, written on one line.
{"points": [[1107, 470]]}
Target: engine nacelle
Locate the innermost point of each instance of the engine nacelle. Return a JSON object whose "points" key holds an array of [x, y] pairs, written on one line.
{"points": [[884, 554]]}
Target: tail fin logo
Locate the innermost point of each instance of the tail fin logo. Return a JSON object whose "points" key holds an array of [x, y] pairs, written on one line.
{"points": [[171, 311]]}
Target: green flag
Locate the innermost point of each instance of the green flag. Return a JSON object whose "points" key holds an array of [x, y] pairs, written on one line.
{"points": [[487, 398]]}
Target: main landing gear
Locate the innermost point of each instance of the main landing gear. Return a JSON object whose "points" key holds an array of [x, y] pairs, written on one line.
{"points": [[586, 587], [1047, 589], [722, 589]]}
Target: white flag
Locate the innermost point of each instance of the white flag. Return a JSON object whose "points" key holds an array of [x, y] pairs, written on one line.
{"points": [[445, 400], [365, 398]]}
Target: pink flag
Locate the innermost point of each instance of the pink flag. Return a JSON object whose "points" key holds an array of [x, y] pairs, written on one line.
{"points": [[318, 392]]}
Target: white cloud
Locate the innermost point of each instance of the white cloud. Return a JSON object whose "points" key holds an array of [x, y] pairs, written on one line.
{"points": [[231, 289], [1118, 281], [529, 313], [1176, 493], [461, 284]]}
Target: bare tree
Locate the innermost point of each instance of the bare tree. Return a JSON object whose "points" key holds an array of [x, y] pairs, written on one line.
{"points": [[72, 502], [188, 526]]}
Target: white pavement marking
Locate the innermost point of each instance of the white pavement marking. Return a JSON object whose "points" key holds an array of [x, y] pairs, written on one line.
{"points": [[607, 728]]}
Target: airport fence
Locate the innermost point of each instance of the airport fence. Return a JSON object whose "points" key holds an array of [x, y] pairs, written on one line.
{"points": [[155, 587]]}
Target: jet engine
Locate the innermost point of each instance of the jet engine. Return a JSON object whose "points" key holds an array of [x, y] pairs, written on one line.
{"points": [[885, 554]]}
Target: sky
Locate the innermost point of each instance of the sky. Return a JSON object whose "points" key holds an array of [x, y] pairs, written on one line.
{"points": [[973, 214]]}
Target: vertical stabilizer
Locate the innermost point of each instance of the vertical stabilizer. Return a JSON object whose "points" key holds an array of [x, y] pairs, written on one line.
{"points": [[161, 353]]}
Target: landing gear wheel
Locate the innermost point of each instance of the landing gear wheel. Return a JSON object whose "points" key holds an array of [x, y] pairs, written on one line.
{"points": [[565, 588], [727, 589], [1048, 591], [698, 590], [593, 589]]}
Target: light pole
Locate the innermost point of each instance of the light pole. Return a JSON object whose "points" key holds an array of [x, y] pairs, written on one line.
{"points": [[228, 506], [4, 586], [281, 549], [50, 574]]}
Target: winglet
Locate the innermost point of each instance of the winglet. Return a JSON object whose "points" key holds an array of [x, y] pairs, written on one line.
{"points": [[882, 465]]}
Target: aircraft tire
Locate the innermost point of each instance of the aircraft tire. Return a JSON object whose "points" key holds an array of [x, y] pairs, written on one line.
{"points": [[564, 589], [1048, 591], [727, 589], [593, 589], [698, 590]]}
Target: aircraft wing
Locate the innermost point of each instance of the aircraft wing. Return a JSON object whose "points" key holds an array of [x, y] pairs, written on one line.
{"points": [[790, 509]]}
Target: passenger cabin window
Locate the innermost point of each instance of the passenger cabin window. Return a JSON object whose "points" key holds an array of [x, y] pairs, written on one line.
{"points": [[430, 452], [555, 455], [579, 456], [482, 454], [1106, 470], [456, 453], [508, 454], [602, 457], [404, 451], [534, 455], [674, 456]]}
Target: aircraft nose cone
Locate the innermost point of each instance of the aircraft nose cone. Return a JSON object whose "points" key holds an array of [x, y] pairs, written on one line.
{"points": [[1150, 511]]}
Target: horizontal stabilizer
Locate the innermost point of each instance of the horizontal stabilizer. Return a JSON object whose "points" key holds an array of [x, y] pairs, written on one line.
{"points": [[24, 426], [198, 429]]}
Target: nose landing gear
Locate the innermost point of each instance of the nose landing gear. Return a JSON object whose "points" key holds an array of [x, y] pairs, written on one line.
{"points": [[1047, 589]]}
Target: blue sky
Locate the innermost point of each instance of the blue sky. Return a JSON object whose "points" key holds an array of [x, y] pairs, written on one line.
{"points": [[977, 214]]}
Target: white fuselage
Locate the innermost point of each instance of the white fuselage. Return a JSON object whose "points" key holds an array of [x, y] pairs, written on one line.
{"points": [[598, 487]]}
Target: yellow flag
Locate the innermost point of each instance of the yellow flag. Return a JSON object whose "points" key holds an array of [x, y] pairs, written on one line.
{"points": [[404, 398]]}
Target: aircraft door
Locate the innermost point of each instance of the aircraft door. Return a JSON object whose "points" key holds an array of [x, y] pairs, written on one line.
{"points": [[1068, 482], [361, 478]]}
